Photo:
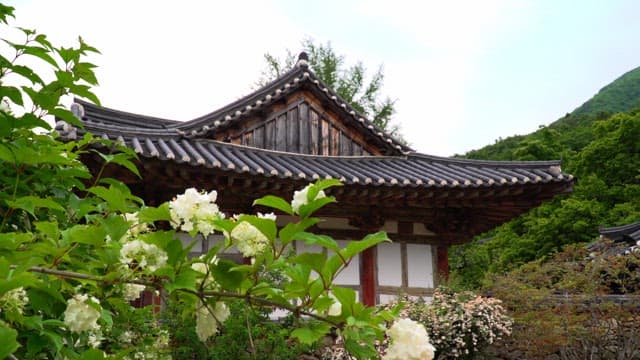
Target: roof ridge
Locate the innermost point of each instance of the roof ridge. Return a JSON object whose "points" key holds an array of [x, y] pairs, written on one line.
{"points": [[500, 163]]}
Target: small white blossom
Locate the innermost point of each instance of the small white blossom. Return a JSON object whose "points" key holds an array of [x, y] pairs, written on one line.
{"points": [[270, 216], [300, 198], [409, 340], [195, 210], [207, 320], [80, 315], [142, 254], [131, 292], [135, 227], [14, 299], [203, 268], [248, 239]]}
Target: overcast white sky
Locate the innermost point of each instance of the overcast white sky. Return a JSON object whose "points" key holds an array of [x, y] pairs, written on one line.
{"points": [[463, 72]]}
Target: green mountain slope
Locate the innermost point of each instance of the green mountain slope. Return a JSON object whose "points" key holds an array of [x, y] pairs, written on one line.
{"points": [[623, 94], [571, 132], [601, 149]]}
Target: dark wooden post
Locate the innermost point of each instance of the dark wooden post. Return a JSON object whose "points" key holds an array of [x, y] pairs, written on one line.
{"points": [[443, 261], [368, 223], [368, 276]]}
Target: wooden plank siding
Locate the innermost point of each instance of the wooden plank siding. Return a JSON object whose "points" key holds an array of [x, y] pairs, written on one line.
{"points": [[299, 128]]}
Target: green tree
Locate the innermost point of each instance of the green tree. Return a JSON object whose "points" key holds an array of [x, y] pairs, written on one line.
{"points": [[350, 82], [75, 250]]}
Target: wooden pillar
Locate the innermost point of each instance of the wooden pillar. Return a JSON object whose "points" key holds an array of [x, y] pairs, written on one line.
{"points": [[368, 223], [368, 276], [443, 261]]}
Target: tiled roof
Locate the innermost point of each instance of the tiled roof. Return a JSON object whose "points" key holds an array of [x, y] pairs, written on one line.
{"points": [[407, 170], [299, 76], [624, 232]]}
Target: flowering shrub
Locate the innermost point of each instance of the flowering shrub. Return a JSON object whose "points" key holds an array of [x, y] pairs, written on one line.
{"points": [[75, 249], [461, 324]]}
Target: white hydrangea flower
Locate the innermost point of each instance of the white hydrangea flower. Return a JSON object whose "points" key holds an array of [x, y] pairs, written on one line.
{"points": [[131, 292], [248, 239], [270, 216], [95, 339], [207, 321], [300, 198], [14, 299], [409, 340], [142, 254], [195, 210], [80, 315], [203, 268], [135, 227]]}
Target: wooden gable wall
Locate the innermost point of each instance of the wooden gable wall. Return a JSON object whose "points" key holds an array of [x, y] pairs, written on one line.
{"points": [[300, 124]]}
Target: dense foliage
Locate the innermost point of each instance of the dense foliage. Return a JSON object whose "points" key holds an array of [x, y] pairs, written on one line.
{"points": [[76, 249], [578, 304], [350, 83], [604, 156]]}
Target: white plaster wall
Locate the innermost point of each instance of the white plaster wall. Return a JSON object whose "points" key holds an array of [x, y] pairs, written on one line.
{"points": [[389, 264], [420, 265]]}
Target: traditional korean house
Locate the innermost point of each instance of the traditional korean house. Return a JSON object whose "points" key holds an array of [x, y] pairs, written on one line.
{"points": [[295, 130]]}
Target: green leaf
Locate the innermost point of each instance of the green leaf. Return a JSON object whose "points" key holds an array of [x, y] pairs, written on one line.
{"points": [[6, 154], [67, 116], [313, 260], [12, 93], [313, 239], [225, 276], [346, 296], [121, 159], [266, 226], [93, 354], [311, 332], [275, 202], [86, 234], [41, 53], [356, 247], [27, 73], [309, 208], [30, 203], [8, 345], [186, 279], [149, 214], [288, 232]]}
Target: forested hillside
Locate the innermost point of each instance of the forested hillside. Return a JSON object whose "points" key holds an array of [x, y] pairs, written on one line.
{"points": [[601, 149]]}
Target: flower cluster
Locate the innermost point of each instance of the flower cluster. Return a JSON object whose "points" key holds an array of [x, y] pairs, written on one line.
{"points": [[82, 313], [248, 239], [14, 300], [195, 210], [202, 267], [301, 198], [131, 292], [136, 227], [461, 324], [409, 340], [209, 318], [143, 255]]}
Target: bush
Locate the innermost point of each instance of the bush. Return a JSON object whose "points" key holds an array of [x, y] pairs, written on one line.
{"points": [[461, 324], [577, 304], [247, 334]]}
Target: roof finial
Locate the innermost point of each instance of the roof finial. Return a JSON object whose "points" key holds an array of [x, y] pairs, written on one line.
{"points": [[303, 60]]}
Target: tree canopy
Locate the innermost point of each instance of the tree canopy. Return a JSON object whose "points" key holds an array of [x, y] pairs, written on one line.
{"points": [[352, 83]]}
